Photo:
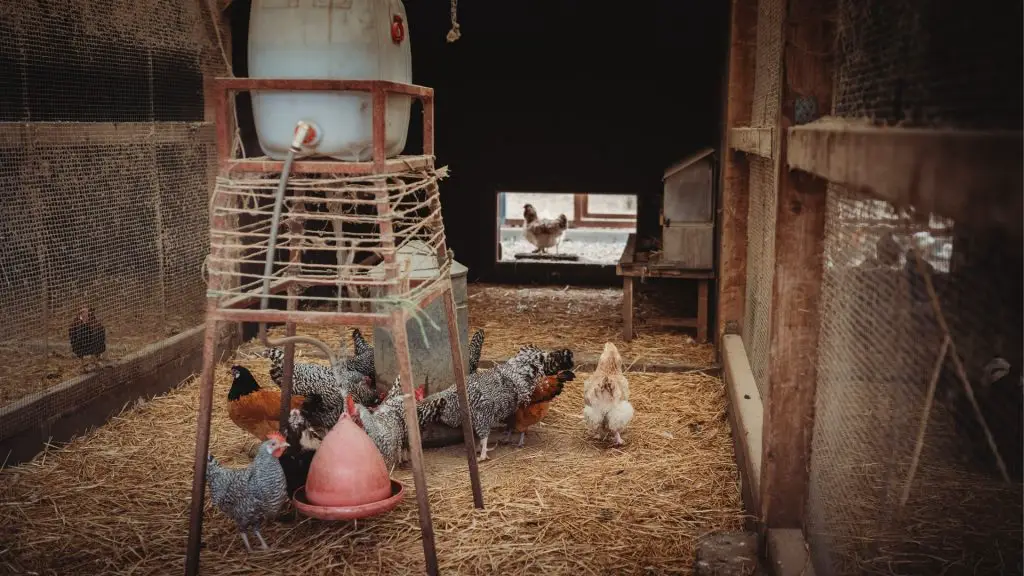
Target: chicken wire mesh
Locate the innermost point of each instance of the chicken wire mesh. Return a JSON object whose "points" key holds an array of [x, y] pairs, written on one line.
{"points": [[333, 242], [763, 193], [105, 170], [886, 498], [907, 476]]}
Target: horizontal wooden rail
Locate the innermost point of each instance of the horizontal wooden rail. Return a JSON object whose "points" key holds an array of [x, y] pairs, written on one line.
{"points": [[969, 176], [757, 141]]}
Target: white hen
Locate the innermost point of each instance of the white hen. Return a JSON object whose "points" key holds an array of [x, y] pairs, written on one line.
{"points": [[606, 406]]}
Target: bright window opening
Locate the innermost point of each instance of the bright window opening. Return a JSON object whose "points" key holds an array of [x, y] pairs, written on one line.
{"points": [[594, 231]]}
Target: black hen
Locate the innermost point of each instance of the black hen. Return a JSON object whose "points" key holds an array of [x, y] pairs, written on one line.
{"points": [[88, 337], [303, 442]]}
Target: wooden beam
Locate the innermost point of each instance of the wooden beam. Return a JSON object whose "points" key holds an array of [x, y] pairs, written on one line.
{"points": [[746, 417], [967, 176], [734, 186], [756, 141], [796, 287]]}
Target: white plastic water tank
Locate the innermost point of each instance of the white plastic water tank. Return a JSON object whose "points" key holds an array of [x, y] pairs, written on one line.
{"points": [[335, 39]]}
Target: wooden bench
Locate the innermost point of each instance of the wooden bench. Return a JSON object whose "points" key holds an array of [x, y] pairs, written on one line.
{"points": [[633, 265]]}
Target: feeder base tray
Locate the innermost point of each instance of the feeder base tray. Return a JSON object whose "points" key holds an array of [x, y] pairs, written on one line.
{"points": [[349, 512]]}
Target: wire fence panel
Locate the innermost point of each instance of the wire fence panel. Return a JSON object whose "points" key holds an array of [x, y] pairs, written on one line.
{"points": [[106, 165], [919, 315], [763, 193]]}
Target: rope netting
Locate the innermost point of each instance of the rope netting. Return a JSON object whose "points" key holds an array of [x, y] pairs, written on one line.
{"points": [[105, 169], [336, 237]]}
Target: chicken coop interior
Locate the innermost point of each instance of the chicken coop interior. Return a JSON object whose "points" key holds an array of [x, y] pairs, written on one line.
{"points": [[536, 287]]}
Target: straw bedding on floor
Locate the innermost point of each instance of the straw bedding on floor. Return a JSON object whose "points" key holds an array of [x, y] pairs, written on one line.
{"points": [[116, 500]]}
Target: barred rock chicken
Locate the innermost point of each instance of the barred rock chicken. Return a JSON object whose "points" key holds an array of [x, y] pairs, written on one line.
{"points": [[87, 335], [606, 406], [362, 359], [543, 233], [251, 495], [252, 408], [540, 403], [493, 394], [318, 379], [386, 425], [476, 346]]}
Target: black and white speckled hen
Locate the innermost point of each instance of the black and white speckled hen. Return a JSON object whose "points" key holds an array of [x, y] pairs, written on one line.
{"points": [[308, 378], [253, 494], [493, 394], [385, 425], [87, 335]]}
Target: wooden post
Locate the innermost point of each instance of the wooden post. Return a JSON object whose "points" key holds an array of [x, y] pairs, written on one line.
{"points": [[734, 183], [702, 311], [796, 287], [627, 308]]}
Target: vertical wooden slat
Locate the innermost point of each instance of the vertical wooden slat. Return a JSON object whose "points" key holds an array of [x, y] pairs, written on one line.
{"points": [[734, 178], [627, 308], [702, 311], [428, 125], [796, 287]]}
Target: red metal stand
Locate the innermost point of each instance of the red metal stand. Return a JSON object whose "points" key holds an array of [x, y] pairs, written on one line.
{"points": [[236, 309]]}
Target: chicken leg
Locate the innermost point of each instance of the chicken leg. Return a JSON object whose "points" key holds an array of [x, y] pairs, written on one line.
{"points": [[618, 439], [263, 543], [245, 540], [483, 450], [522, 439]]}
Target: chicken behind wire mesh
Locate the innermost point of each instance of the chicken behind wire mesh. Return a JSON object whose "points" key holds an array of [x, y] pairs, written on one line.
{"points": [[308, 378], [87, 335]]}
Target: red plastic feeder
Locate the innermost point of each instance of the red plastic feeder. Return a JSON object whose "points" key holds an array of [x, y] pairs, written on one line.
{"points": [[347, 478]]}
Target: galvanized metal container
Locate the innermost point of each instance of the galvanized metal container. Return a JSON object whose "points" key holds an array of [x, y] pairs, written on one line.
{"points": [[431, 365]]}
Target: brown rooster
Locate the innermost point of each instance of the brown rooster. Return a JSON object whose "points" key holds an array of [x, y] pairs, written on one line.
{"points": [[88, 337], [539, 405], [253, 409], [543, 233]]}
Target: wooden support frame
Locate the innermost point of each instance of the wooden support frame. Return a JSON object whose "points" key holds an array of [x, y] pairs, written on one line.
{"points": [[734, 183], [630, 268], [799, 266], [971, 177]]}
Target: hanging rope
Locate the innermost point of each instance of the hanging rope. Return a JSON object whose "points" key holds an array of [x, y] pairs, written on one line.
{"points": [[454, 34]]}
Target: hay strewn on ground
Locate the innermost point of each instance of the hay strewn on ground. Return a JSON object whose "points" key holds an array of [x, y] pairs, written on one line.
{"points": [[116, 501], [549, 317]]}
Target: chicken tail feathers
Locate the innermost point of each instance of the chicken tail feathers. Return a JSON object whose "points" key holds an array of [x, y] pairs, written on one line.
{"points": [[276, 357], [563, 222], [476, 346], [359, 343]]}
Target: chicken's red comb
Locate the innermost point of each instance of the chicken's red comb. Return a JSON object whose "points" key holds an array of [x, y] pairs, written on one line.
{"points": [[275, 436], [420, 393]]}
